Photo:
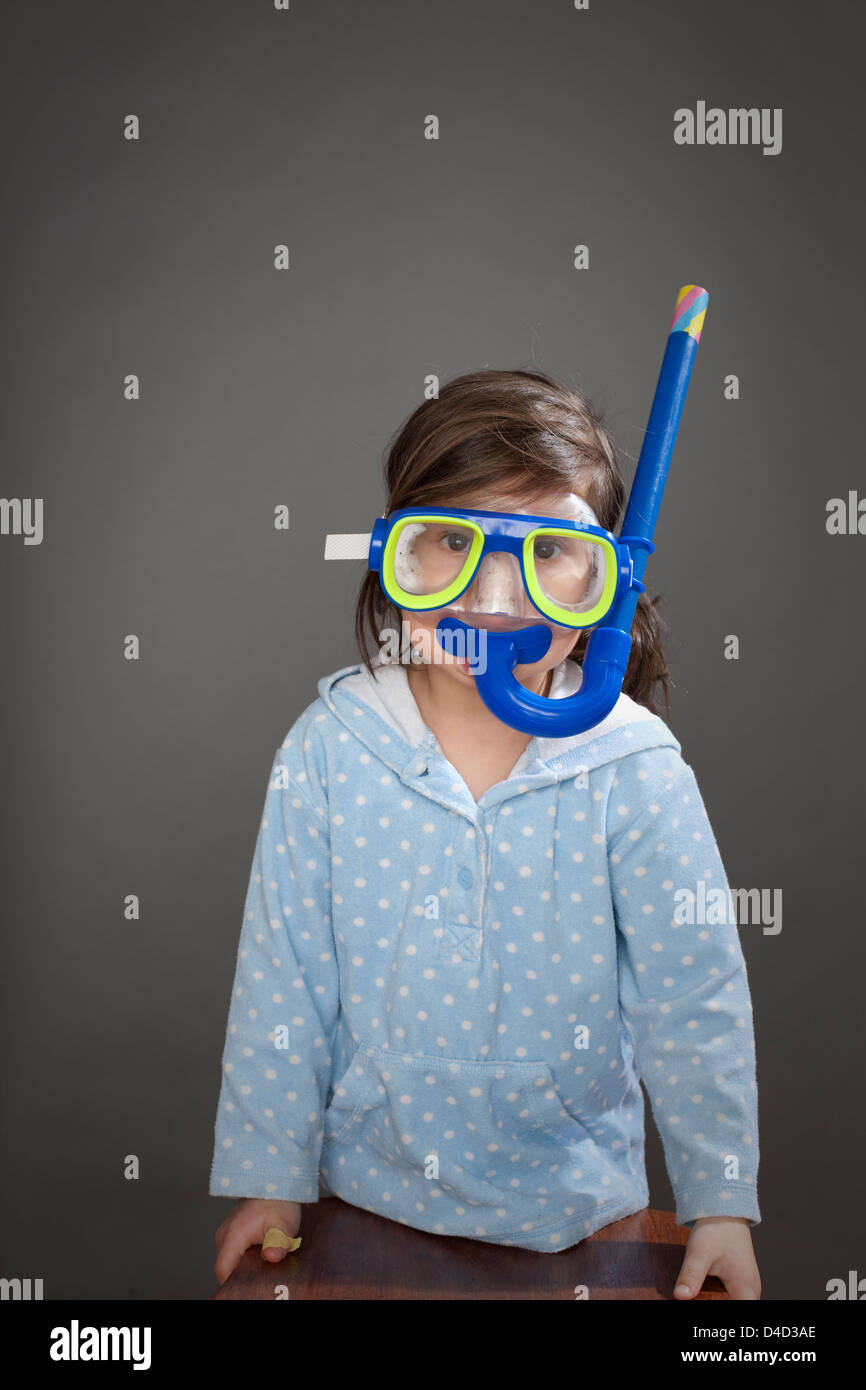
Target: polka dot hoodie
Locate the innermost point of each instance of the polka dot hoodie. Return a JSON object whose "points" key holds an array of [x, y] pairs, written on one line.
{"points": [[442, 1007]]}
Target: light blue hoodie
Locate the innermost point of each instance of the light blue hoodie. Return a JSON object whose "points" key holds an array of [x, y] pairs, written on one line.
{"points": [[441, 1007]]}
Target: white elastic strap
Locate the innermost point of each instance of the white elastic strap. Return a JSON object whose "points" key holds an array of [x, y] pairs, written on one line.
{"points": [[354, 546]]}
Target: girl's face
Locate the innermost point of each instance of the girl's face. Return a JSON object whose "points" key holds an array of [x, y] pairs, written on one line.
{"points": [[496, 599]]}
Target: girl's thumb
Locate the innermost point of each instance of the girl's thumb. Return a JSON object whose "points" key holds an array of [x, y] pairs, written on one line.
{"points": [[276, 1244]]}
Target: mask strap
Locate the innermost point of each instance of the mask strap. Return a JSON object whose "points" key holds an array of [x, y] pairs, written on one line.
{"points": [[351, 546]]}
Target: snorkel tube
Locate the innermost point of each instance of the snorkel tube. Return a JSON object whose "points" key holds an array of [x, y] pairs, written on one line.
{"points": [[606, 658]]}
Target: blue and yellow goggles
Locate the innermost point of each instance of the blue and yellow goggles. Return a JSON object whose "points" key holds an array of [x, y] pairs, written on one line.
{"points": [[427, 557]]}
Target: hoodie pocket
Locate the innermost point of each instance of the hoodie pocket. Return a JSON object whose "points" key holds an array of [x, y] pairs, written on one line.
{"points": [[552, 1116], [570, 1138], [482, 1129], [353, 1095]]}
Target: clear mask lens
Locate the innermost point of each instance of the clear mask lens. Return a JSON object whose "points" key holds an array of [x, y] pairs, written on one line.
{"points": [[429, 556], [571, 571]]}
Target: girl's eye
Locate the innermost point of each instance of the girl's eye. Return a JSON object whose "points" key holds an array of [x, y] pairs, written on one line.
{"points": [[546, 548], [456, 541]]}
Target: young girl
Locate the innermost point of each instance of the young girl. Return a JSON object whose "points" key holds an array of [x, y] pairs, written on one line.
{"points": [[461, 946]]}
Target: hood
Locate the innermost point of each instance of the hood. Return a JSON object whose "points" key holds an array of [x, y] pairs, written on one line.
{"points": [[382, 714]]}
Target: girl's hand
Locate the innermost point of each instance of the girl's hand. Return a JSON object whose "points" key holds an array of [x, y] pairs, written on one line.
{"points": [[246, 1225], [722, 1246]]}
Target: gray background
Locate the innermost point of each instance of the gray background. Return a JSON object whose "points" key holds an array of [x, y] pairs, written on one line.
{"points": [[259, 388]]}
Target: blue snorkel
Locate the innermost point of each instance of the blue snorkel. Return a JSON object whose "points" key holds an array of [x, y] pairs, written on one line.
{"points": [[607, 653]]}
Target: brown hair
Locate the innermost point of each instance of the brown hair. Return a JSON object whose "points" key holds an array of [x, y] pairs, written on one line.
{"points": [[518, 433]]}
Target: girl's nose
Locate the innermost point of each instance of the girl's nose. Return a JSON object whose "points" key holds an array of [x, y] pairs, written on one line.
{"points": [[497, 587]]}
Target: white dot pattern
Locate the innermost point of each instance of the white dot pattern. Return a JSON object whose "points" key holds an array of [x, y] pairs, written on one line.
{"points": [[441, 1009]]}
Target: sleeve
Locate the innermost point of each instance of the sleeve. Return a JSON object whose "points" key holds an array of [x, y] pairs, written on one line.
{"points": [[684, 993], [276, 1063]]}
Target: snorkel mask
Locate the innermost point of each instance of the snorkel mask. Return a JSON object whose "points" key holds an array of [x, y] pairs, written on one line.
{"points": [[523, 576]]}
